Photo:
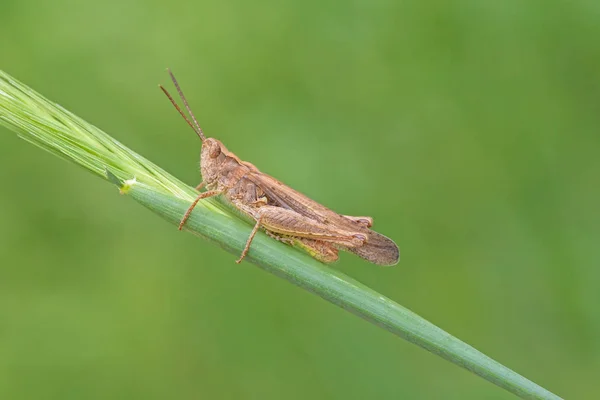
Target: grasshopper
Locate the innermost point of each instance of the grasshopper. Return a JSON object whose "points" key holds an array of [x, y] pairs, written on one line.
{"points": [[283, 213]]}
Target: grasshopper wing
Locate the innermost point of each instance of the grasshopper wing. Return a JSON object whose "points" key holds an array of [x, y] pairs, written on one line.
{"points": [[379, 250]]}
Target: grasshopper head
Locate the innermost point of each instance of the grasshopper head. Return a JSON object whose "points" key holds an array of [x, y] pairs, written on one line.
{"points": [[211, 157]]}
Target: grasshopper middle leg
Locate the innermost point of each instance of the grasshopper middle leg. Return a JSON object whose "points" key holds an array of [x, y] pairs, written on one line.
{"points": [[249, 241]]}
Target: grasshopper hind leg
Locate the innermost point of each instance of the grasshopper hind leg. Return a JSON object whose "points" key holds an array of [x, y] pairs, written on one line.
{"points": [[322, 251], [280, 238], [367, 222]]}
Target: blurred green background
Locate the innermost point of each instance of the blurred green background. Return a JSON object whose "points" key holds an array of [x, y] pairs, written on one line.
{"points": [[468, 130]]}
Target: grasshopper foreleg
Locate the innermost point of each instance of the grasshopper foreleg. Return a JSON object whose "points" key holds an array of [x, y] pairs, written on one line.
{"points": [[201, 196], [200, 186]]}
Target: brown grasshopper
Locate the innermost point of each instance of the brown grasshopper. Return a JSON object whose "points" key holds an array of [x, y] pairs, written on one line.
{"points": [[282, 212]]}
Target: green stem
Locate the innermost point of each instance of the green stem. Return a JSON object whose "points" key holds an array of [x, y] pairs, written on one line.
{"points": [[66, 135]]}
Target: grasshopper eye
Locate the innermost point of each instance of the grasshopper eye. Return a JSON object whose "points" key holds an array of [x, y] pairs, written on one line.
{"points": [[215, 150]]}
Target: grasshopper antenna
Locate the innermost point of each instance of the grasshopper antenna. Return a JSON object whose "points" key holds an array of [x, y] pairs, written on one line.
{"points": [[195, 126]]}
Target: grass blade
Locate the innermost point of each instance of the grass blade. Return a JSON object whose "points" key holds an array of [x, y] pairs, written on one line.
{"points": [[55, 129]]}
